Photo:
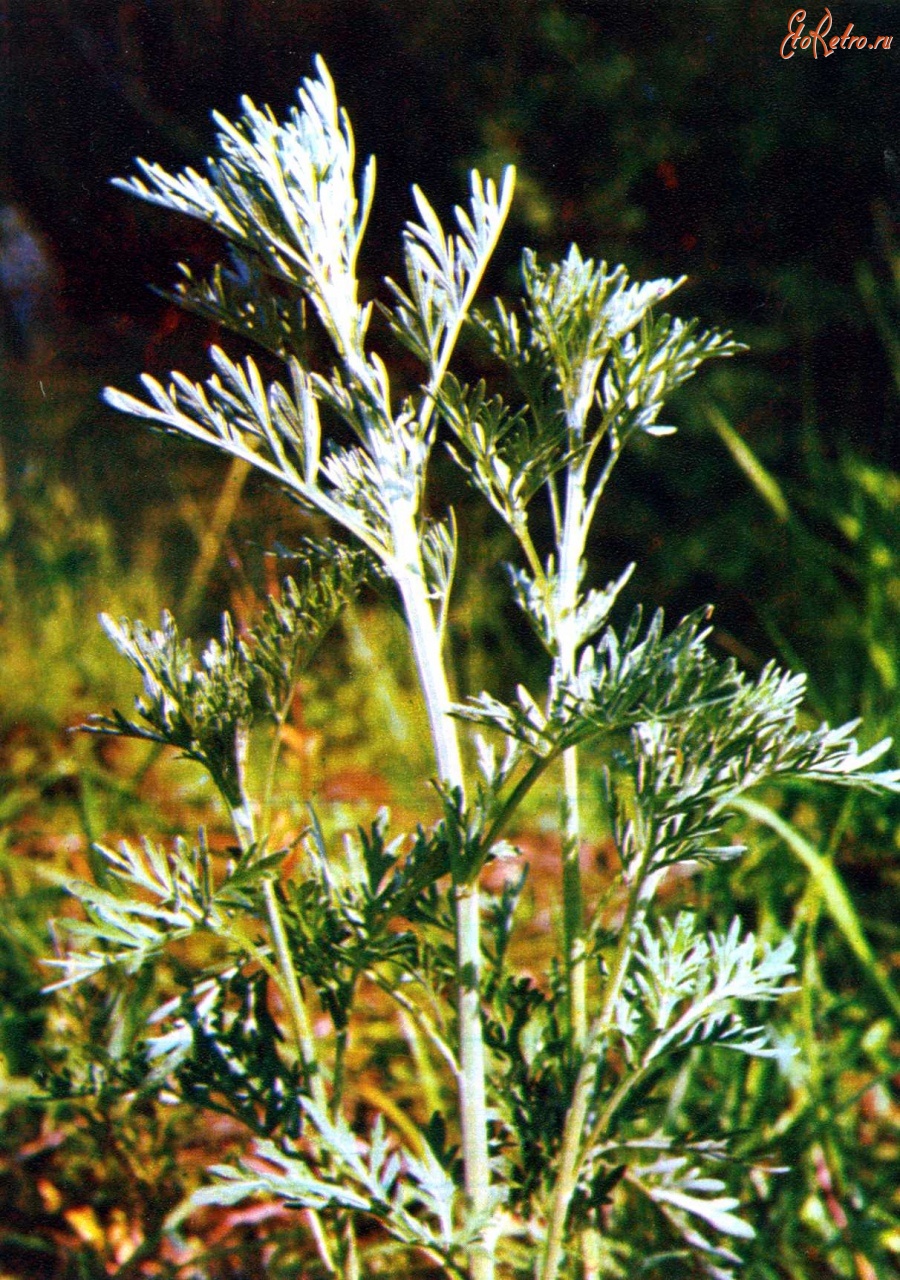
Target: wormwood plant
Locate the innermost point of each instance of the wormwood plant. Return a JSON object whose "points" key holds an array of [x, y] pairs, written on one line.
{"points": [[552, 1117]]}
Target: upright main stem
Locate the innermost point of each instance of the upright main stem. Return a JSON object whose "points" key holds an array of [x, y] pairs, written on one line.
{"points": [[472, 1093], [570, 553], [573, 915], [573, 903], [576, 953]]}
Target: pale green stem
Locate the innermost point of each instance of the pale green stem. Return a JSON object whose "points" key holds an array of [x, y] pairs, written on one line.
{"points": [[570, 554], [521, 530], [428, 1082], [600, 486], [473, 1101], [573, 901], [578, 520], [574, 924], [571, 1150], [426, 647], [553, 500], [574, 533], [604, 1120]]}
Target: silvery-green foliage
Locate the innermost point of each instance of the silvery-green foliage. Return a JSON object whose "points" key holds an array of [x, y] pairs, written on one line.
{"points": [[201, 708], [443, 272], [344, 918], [547, 1120], [158, 896], [205, 708], [240, 296], [412, 1197], [691, 1201], [285, 191], [296, 621], [699, 728], [685, 984], [219, 1041], [508, 454]]}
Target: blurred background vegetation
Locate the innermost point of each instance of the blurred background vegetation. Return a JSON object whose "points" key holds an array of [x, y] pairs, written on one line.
{"points": [[669, 136]]}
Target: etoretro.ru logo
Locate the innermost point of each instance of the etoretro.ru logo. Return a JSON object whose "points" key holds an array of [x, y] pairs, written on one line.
{"points": [[819, 40]]}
